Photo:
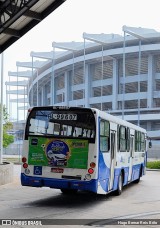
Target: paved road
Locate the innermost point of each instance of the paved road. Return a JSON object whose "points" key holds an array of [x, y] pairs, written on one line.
{"points": [[138, 201]]}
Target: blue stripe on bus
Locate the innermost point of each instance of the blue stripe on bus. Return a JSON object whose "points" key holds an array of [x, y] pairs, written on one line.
{"points": [[135, 174], [104, 173], [58, 183], [136, 171]]}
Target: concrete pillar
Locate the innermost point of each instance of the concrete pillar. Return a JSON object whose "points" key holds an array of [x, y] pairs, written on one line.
{"points": [[87, 84], [66, 89], [151, 78], [115, 84]]}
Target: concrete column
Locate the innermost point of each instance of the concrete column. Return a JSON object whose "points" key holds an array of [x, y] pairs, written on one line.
{"points": [[66, 89], [53, 89], [115, 84], [43, 96], [149, 126], [87, 83], [151, 78]]}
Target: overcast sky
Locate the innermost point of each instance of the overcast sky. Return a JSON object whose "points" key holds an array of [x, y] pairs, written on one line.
{"points": [[72, 18], [69, 21]]}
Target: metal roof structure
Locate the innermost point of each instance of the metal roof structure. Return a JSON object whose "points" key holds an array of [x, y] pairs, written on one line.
{"points": [[17, 17]]}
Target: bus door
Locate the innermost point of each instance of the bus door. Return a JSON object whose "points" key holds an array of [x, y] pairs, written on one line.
{"points": [[112, 158], [131, 157]]}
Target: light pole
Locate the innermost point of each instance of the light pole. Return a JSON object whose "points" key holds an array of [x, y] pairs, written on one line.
{"points": [[49, 56], [132, 31], [64, 46], [102, 41], [124, 75], [1, 116]]}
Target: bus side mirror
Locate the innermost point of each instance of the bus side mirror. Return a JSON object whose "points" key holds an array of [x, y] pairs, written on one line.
{"points": [[150, 144]]}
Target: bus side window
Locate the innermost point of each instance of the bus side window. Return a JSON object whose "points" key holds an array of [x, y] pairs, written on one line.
{"points": [[143, 145], [128, 139], [122, 139], [138, 141], [104, 136]]}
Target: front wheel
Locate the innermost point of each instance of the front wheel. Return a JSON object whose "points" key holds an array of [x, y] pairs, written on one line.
{"points": [[68, 191], [120, 185]]}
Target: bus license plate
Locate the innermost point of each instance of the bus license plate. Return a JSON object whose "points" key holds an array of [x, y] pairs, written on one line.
{"points": [[56, 170]]}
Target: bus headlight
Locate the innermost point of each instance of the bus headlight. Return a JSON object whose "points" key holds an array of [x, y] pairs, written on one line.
{"points": [[88, 176]]}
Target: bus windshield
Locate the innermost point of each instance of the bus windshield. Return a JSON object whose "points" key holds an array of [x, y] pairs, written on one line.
{"points": [[63, 123]]}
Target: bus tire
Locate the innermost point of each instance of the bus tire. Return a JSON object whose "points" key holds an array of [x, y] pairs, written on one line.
{"points": [[120, 185], [69, 191]]}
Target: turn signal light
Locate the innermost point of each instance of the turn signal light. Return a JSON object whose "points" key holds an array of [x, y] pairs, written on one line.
{"points": [[24, 159], [92, 165]]}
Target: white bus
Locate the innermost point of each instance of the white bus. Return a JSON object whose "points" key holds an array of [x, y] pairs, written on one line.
{"points": [[73, 148]]}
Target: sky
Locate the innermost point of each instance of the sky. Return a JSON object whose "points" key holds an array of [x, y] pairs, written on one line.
{"points": [[68, 22]]}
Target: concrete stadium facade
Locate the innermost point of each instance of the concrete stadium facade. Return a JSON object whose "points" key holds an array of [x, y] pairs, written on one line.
{"points": [[118, 74]]}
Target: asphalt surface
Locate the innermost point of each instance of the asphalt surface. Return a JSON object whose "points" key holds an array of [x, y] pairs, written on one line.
{"points": [[138, 202]]}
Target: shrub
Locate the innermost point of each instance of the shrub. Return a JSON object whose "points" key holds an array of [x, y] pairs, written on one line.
{"points": [[153, 164]]}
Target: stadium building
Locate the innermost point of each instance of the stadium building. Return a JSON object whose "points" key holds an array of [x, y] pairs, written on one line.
{"points": [[118, 74]]}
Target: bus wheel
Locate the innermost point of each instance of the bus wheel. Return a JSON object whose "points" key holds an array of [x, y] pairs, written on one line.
{"points": [[120, 185], [68, 191]]}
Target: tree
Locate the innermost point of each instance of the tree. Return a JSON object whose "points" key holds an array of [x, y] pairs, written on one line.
{"points": [[7, 139]]}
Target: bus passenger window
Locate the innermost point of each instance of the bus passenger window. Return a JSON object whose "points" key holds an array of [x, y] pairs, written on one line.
{"points": [[143, 142], [122, 138], [104, 136], [137, 141], [128, 139]]}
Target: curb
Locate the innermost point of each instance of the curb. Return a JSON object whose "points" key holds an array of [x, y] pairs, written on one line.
{"points": [[153, 170]]}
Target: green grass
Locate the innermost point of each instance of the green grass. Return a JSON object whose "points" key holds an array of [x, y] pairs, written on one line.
{"points": [[153, 164]]}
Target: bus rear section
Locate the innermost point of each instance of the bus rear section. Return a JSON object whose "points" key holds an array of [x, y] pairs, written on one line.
{"points": [[59, 149]]}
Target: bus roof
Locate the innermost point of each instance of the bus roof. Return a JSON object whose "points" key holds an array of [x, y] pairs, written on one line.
{"points": [[118, 120]]}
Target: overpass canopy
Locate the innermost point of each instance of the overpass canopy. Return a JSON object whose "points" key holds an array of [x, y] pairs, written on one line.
{"points": [[17, 17]]}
